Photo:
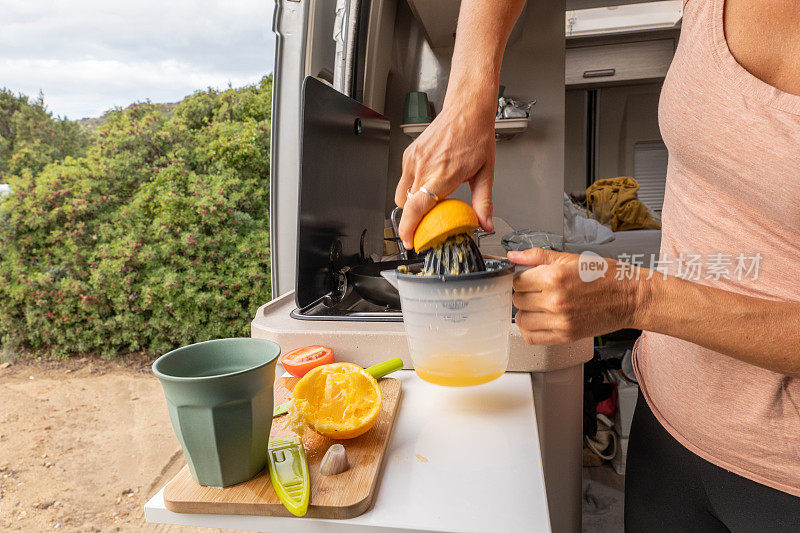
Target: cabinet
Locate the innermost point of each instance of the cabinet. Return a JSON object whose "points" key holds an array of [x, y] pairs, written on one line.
{"points": [[618, 63]]}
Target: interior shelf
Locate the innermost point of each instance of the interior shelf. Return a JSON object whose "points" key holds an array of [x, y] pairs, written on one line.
{"points": [[504, 129]]}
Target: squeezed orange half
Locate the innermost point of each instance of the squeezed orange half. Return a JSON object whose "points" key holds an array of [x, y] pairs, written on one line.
{"points": [[339, 400]]}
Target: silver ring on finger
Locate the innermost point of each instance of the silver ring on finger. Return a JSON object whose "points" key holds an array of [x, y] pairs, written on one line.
{"points": [[409, 194], [429, 193]]}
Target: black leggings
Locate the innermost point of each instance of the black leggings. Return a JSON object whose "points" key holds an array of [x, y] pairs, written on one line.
{"points": [[668, 488]]}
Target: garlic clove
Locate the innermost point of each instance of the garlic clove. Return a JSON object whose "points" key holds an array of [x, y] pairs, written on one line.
{"points": [[334, 462]]}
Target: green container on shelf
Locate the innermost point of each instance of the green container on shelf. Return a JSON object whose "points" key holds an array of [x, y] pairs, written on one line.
{"points": [[220, 400], [416, 109]]}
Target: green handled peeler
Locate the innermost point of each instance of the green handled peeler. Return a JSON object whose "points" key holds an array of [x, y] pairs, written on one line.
{"points": [[376, 371], [288, 472]]}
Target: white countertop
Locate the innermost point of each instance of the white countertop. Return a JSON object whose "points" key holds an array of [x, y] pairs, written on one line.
{"points": [[459, 460]]}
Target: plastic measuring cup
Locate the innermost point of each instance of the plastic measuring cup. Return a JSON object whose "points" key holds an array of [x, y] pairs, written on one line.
{"points": [[457, 326]]}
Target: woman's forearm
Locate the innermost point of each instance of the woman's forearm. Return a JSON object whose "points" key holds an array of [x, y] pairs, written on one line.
{"points": [[558, 304], [459, 145], [761, 332], [483, 29]]}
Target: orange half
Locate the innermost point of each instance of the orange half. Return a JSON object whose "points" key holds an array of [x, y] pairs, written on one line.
{"points": [[447, 218], [339, 400]]}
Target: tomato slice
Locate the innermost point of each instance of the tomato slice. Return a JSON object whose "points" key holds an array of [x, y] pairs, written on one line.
{"points": [[299, 361]]}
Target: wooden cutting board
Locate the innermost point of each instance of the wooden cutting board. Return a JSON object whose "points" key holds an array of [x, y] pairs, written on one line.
{"points": [[345, 495]]}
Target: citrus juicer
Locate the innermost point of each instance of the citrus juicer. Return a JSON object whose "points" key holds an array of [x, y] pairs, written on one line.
{"points": [[456, 305]]}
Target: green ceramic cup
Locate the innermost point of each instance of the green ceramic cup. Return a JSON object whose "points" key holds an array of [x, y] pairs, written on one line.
{"points": [[220, 400]]}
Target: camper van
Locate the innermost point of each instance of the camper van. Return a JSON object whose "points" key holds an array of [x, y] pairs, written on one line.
{"points": [[356, 81]]}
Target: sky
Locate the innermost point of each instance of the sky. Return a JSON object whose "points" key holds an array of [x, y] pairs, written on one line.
{"points": [[88, 56]]}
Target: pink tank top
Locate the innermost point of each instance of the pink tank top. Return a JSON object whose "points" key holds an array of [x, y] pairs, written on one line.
{"points": [[732, 206]]}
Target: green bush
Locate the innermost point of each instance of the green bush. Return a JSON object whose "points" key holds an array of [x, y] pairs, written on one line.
{"points": [[157, 237], [30, 137]]}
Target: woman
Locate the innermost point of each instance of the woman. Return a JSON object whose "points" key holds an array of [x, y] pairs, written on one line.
{"points": [[715, 442]]}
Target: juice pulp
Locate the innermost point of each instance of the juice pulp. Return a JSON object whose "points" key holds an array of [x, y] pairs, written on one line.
{"points": [[455, 370]]}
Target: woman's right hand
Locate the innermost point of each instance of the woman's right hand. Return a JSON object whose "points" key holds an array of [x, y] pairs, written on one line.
{"points": [[458, 147]]}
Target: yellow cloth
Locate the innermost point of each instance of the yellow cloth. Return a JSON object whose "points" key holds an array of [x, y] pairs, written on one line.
{"points": [[614, 202]]}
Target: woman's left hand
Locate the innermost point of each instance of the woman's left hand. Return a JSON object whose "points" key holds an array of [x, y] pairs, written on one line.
{"points": [[562, 299]]}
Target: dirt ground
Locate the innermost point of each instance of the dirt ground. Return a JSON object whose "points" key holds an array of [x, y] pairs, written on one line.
{"points": [[83, 445]]}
